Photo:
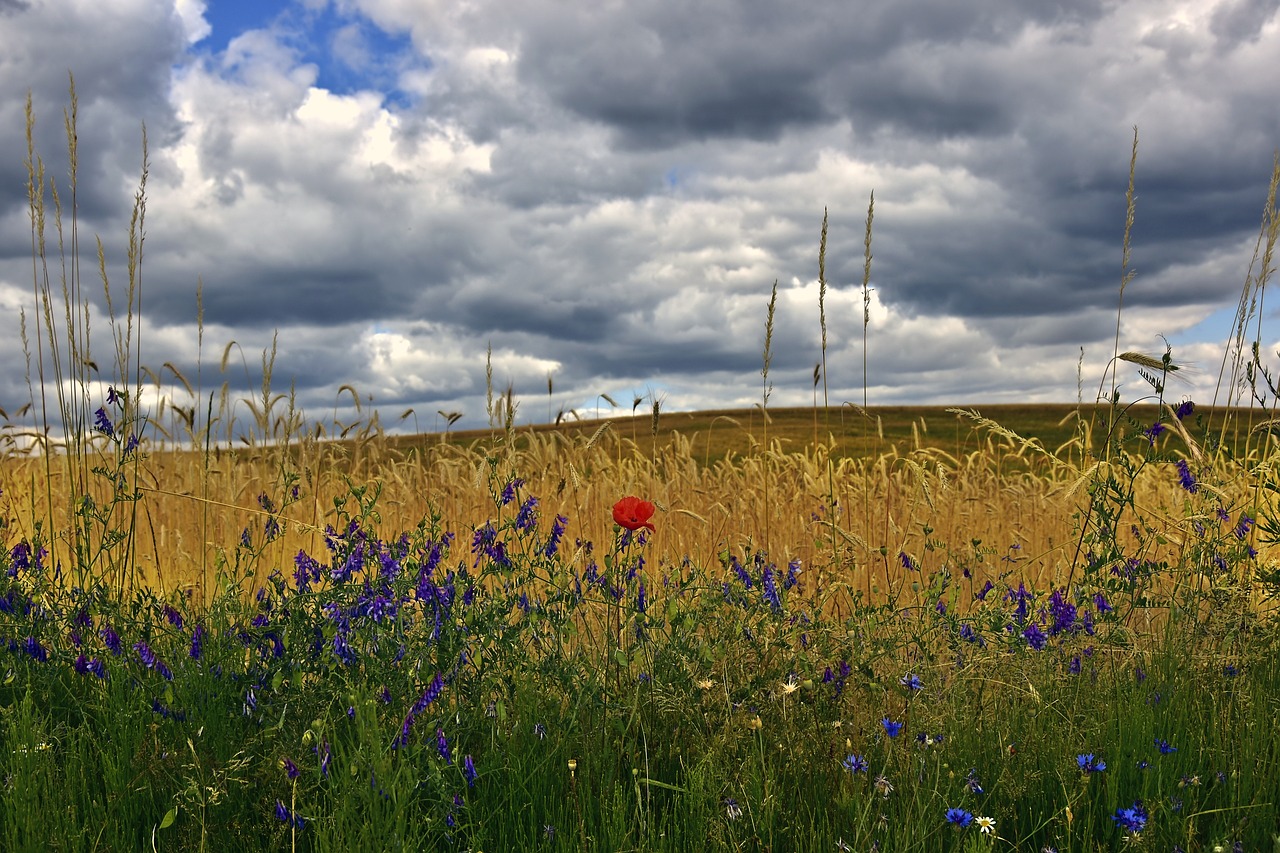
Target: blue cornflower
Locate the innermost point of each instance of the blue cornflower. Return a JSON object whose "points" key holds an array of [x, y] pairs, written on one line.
{"points": [[855, 764], [1164, 747], [959, 818], [971, 782], [911, 681], [1132, 819], [1185, 477], [1089, 764], [540, 730], [890, 727]]}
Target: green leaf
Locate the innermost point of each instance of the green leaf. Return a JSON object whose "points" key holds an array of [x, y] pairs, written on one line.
{"points": [[169, 817]]}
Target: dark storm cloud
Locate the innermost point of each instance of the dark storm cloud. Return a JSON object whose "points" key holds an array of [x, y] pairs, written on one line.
{"points": [[121, 64], [1236, 21], [659, 74]]}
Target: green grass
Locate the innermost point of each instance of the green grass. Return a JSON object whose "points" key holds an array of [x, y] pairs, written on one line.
{"points": [[710, 716]]}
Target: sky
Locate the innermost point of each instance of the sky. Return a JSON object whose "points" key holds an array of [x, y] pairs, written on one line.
{"points": [[605, 193]]}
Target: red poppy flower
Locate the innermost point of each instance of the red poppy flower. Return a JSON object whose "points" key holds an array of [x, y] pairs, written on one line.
{"points": [[633, 513]]}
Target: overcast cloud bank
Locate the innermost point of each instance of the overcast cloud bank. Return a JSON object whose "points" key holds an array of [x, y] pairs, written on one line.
{"points": [[605, 193]]}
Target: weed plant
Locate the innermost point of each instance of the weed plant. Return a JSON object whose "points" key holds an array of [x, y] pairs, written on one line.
{"points": [[575, 645]]}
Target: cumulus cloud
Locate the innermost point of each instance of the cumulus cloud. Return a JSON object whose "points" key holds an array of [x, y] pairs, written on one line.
{"points": [[605, 195]]}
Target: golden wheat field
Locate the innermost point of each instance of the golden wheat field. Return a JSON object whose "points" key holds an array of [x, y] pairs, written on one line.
{"points": [[998, 502]]}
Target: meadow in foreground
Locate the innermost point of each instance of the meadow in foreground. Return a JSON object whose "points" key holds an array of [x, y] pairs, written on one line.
{"points": [[573, 645]]}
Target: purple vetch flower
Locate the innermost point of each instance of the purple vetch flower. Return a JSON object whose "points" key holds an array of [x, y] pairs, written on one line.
{"points": [[102, 423], [769, 589], [557, 533], [111, 640], [291, 770], [1185, 477], [284, 815], [1185, 408], [431, 694], [793, 572], [306, 572], [526, 518], [1035, 637], [145, 654], [442, 746], [509, 490], [322, 751], [173, 617], [1063, 613], [469, 771], [33, 648], [197, 642]]}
